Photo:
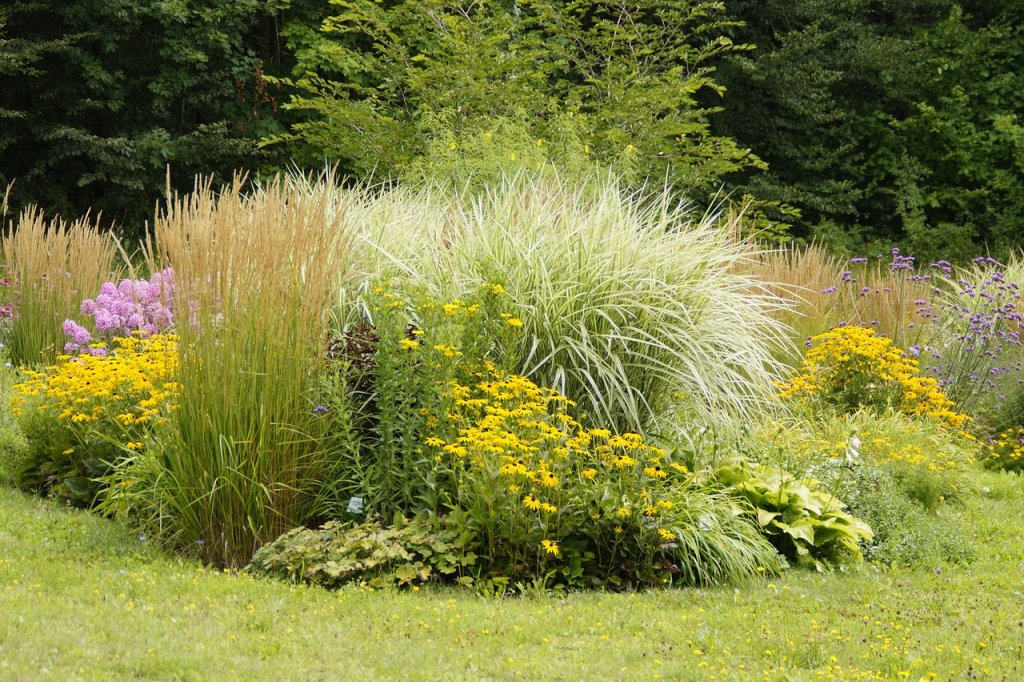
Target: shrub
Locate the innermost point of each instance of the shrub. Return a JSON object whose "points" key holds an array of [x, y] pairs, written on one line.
{"points": [[924, 458], [243, 458], [630, 306], [50, 264], [543, 495], [82, 414], [408, 552], [852, 367], [386, 390], [439, 426]]}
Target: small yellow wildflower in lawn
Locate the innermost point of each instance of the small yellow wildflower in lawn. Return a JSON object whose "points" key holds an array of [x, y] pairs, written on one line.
{"points": [[408, 344]]}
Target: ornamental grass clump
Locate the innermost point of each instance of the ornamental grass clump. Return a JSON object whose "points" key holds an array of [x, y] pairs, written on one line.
{"points": [[83, 414], [256, 273], [629, 304], [50, 265], [848, 368]]}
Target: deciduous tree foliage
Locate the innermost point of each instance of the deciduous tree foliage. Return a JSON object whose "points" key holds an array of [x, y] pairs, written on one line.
{"points": [[100, 96], [380, 80]]}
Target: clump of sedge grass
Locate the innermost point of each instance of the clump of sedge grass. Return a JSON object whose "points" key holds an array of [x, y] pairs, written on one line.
{"points": [[255, 275]]}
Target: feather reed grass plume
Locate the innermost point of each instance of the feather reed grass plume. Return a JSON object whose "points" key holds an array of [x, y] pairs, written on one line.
{"points": [[51, 265], [255, 275]]}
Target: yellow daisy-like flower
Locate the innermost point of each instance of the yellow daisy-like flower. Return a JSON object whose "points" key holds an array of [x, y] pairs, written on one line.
{"points": [[656, 472], [548, 479], [588, 473], [434, 442], [549, 508], [514, 322], [531, 502], [408, 344], [666, 534], [550, 547]]}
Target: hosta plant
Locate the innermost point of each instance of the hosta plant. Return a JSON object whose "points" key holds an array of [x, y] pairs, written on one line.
{"points": [[805, 523]]}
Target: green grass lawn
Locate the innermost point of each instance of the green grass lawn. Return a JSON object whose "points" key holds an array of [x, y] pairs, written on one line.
{"points": [[82, 598]]}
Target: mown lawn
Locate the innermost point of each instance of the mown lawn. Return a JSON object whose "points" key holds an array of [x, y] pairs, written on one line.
{"points": [[82, 598]]}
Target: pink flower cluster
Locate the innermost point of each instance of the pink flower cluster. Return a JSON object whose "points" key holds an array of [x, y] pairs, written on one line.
{"points": [[131, 307]]}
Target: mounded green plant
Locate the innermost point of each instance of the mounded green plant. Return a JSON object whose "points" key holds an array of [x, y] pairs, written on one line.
{"points": [[52, 265], [407, 552], [255, 275]]}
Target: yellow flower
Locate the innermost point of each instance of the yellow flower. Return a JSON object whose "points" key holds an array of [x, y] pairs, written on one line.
{"points": [[514, 322], [408, 344], [588, 473], [666, 534], [434, 442], [497, 289], [548, 479], [550, 547], [531, 502], [656, 472]]}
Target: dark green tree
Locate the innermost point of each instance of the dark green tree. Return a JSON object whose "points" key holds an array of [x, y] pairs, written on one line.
{"points": [[884, 121], [99, 97]]}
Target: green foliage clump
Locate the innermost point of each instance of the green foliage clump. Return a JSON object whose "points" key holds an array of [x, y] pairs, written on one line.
{"points": [[406, 553], [805, 523], [906, 533]]}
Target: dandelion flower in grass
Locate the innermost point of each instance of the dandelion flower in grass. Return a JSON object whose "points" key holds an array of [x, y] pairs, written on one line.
{"points": [[550, 547], [514, 322]]}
